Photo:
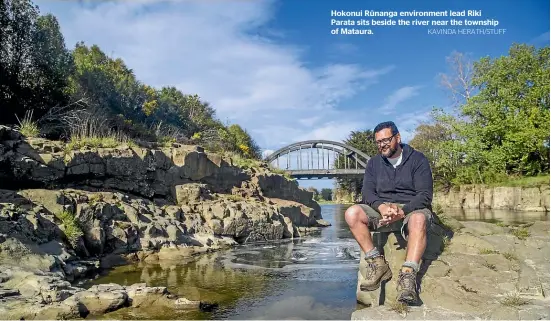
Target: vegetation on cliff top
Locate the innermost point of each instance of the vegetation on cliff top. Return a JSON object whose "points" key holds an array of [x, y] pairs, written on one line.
{"points": [[85, 97], [497, 133]]}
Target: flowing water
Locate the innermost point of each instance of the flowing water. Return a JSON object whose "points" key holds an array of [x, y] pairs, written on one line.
{"points": [[312, 278]]}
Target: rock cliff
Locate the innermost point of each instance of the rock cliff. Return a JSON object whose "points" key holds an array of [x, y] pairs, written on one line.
{"points": [[65, 213], [533, 199], [526, 199]]}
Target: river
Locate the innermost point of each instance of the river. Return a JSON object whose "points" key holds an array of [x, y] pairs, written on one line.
{"points": [[312, 278]]}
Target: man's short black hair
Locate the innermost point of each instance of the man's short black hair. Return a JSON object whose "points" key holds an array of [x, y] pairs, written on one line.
{"points": [[386, 124]]}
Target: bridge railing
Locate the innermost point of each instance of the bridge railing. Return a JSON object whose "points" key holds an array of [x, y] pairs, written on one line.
{"points": [[317, 156]]}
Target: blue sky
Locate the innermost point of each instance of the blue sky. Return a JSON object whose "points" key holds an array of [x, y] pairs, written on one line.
{"points": [[274, 67]]}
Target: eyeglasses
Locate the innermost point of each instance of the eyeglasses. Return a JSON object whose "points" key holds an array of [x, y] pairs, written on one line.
{"points": [[384, 141]]}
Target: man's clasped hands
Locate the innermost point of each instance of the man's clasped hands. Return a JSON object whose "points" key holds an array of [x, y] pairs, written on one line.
{"points": [[390, 214]]}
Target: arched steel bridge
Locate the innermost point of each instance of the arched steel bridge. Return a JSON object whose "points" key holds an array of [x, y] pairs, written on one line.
{"points": [[312, 159]]}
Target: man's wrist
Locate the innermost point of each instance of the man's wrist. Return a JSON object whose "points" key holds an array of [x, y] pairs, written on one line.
{"points": [[401, 212]]}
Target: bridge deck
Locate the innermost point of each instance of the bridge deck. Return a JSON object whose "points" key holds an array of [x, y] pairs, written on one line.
{"points": [[325, 173]]}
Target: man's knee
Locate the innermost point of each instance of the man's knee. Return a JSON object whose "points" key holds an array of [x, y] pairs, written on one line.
{"points": [[417, 222], [354, 214]]}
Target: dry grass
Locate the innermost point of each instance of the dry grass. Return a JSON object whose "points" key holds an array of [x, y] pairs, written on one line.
{"points": [[514, 300], [488, 251], [248, 163], [399, 307], [235, 198], [27, 126], [92, 130], [490, 266], [510, 256]]}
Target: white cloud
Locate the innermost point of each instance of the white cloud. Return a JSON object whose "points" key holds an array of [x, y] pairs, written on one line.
{"points": [[410, 122], [309, 121], [267, 152], [398, 97], [221, 51], [333, 130]]}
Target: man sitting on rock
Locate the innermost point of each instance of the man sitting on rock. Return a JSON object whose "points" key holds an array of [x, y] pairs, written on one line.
{"points": [[397, 186]]}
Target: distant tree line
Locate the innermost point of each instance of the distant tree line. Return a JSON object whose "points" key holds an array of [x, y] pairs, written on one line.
{"points": [[498, 128], [49, 90], [326, 194]]}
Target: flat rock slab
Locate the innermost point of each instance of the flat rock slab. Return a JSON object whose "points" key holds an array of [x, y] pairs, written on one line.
{"points": [[413, 313], [423, 313], [484, 271]]}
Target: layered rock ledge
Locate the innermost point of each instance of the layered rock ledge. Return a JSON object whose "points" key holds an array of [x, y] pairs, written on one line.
{"points": [[481, 197], [532, 199], [66, 213], [485, 271]]}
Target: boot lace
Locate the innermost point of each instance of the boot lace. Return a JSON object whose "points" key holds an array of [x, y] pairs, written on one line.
{"points": [[371, 269], [406, 281]]}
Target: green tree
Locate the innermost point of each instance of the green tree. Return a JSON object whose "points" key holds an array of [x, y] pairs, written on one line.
{"points": [[365, 142], [38, 72], [53, 63], [316, 193], [327, 194], [436, 142], [504, 128], [17, 30], [240, 141], [103, 81]]}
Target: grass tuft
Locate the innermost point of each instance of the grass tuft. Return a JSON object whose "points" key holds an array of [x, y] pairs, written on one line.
{"points": [[521, 233], [488, 251], [27, 126], [399, 307], [70, 226], [490, 266], [249, 163], [514, 300], [510, 256]]}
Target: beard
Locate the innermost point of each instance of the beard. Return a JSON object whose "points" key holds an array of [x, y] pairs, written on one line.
{"points": [[389, 151]]}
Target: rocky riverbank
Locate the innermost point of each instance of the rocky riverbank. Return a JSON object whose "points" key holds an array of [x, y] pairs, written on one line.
{"points": [[485, 271], [65, 213], [524, 199]]}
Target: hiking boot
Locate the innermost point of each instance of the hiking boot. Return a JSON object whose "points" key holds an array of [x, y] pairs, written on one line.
{"points": [[374, 271], [407, 287]]}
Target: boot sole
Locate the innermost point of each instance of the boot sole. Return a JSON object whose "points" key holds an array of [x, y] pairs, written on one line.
{"points": [[408, 301], [387, 276]]}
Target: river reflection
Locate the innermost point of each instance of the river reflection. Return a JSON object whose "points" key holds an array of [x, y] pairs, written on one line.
{"points": [[312, 278]]}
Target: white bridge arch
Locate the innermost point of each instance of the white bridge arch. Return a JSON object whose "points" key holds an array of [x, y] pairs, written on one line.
{"points": [[313, 159]]}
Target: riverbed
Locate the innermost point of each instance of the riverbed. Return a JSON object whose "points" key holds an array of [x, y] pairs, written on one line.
{"points": [[311, 278]]}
